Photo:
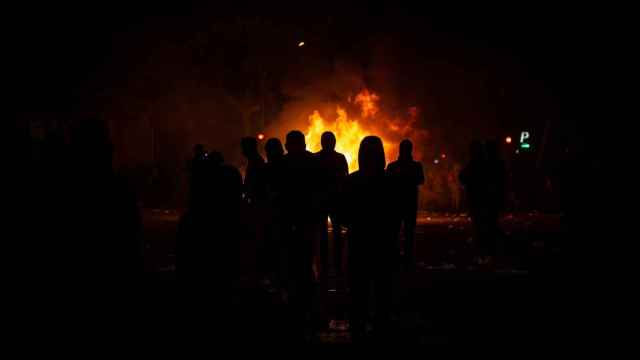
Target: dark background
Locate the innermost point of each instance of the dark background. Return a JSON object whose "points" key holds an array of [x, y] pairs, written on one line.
{"points": [[166, 77]]}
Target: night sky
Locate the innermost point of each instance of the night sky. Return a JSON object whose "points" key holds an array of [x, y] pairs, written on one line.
{"points": [[491, 70]]}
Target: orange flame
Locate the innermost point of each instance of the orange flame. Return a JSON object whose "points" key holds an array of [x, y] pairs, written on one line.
{"points": [[367, 103], [349, 131]]}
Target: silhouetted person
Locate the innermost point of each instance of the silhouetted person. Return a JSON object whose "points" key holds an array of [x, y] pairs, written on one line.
{"points": [[274, 245], [367, 213], [273, 169], [101, 221], [484, 180], [254, 212], [406, 175], [496, 178], [334, 169], [299, 204], [253, 181], [208, 246], [207, 226]]}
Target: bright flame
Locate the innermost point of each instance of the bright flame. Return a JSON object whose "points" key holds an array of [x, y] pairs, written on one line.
{"points": [[348, 135], [260, 136], [350, 131], [367, 102]]}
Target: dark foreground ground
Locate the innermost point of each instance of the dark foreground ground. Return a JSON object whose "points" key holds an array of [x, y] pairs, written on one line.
{"points": [[447, 299]]}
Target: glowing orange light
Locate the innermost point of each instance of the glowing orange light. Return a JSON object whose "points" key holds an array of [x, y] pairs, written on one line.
{"points": [[367, 102], [260, 136], [301, 44], [508, 139], [361, 116]]}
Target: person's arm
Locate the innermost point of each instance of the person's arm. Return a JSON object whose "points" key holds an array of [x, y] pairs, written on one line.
{"points": [[344, 167]]}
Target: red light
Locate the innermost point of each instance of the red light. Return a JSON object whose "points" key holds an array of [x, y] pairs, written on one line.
{"points": [[444, 156], [260, 136], [508, 140]]}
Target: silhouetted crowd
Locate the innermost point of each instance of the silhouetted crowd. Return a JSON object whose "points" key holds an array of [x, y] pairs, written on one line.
{"points": [[280, 214], [270, 228]]}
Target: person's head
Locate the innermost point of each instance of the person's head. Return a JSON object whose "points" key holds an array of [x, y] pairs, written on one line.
{"points": [[295, 143], [406, 150], [371, 158], [328, 140], [273, 149], [249, 146]]}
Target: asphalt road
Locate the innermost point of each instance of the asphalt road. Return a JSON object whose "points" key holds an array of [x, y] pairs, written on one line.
{"points": [[447, 299]]}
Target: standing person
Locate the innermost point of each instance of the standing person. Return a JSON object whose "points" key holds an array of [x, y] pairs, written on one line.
{"points": [[254, 190], [210, 221], [367, 211], [334, 169], [273, 253], [254, 209], [496, 179], [299, 183], [207, 258], [406, 175], [483, 182]]}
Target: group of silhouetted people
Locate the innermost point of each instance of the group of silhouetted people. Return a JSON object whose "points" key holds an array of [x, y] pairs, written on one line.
{"points": [[283, 204]]}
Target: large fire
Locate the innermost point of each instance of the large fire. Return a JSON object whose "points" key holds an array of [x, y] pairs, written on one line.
{"points": [[350, 131]]}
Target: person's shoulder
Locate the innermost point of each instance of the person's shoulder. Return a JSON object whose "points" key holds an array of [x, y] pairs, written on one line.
{"points": [[354, 176], [229, 170], [308, 155]]}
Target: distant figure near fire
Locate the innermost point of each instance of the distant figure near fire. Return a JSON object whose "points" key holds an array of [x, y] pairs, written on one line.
{"points": [[334, 169], [484, 180], [406, 175]]}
